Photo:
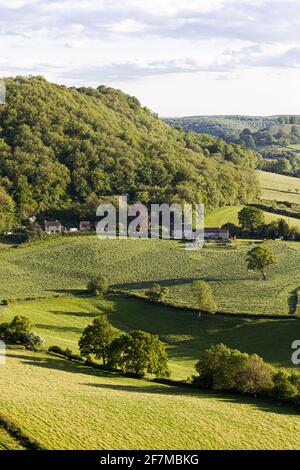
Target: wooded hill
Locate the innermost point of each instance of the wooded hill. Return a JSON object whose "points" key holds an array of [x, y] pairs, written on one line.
{"points": [[250, 131], [65, 147]]}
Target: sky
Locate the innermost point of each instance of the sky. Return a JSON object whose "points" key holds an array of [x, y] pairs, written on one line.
{"points": [[178, 57]]}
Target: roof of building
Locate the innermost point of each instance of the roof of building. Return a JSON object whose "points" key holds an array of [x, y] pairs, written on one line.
{"points": [[52, 223]]}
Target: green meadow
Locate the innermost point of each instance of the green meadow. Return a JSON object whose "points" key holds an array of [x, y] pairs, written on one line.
{"points": [[66, 406], [61, 321], [63, 266], [229, 214], [279, 187], [7, 442]]}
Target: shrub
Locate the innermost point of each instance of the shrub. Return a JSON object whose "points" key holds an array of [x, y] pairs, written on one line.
{"points": [[56, 350], [255, 377], [139, 353], [157, 293], [223, 368], [283, 389], [17, 330], [4, 330], [34, 341], [98, 287], [219, 367]]}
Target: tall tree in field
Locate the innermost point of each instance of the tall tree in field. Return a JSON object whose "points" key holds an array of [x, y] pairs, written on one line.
{"points": [[260, 258], [251, 218], [96, 339], [139, 353], [204, 297]]}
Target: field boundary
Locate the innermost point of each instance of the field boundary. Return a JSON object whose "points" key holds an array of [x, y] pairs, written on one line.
{"points": [[14, 431], [142, 297], [253, 316]]}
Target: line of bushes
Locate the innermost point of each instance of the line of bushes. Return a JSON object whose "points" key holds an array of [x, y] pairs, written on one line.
{"points": [[285, 208], [17, 433], [225, 369]]}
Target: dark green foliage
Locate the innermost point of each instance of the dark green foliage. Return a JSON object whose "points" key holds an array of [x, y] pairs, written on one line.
{"points": [[157, 293], [33, 341], [228, 128], [139, 353], [233, 229], [7, 210], [280, 160], [288, 209], [251, 218], [259, 258], [270, 136], [255, 376], [98, 287], [17, 330], [96, 339], [223, 368], [284, 389], [250, 131], [63, 148]]}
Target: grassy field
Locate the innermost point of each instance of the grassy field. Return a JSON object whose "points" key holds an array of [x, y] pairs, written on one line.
{"points": [[68, 406], [63, 266], [295, 147], [64, 406], [228, 214], [279, 187], [7, 442], [61, 322], [222, 216]]}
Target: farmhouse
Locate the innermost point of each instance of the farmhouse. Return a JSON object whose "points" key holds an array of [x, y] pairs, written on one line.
{"points": [[212, 233], [85, 226], [53, 226]]}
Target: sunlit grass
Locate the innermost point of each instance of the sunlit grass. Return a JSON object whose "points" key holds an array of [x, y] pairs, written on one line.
{"points": [[65, 406]]}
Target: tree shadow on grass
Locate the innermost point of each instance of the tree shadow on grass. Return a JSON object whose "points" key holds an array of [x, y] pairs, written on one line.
{"points": [[176, 281], [292, 301], [63, 329], [259, 404], [77, 314], [151, 388], [61, 364], [74, 292]]}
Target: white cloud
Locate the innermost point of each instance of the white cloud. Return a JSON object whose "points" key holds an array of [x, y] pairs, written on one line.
{"points": [[123, 41]]}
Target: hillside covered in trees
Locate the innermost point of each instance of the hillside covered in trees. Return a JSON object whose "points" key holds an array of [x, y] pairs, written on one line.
{"points": [[250, 131], [64, 148], [276, 139]]}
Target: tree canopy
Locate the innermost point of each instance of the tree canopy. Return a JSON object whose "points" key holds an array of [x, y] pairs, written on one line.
{"points": [[259, 258], [65, 148]]}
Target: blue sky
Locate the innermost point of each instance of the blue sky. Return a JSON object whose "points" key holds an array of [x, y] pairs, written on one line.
{"points": [[179, 57]]}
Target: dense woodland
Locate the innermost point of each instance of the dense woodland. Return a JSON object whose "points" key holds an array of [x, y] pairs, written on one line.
{"points": [[250, 131], [64, 148], [272, 137]]}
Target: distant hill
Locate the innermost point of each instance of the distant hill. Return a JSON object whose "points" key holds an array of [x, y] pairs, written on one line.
{"points": [[275, 138], [225, 127], [63, 148]]}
